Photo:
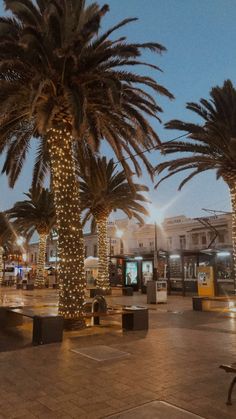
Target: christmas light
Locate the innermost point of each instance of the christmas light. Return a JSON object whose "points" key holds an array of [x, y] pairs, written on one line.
{"points": [[232, 186], [70, 241], [103, 271], [39, 282], [1, 263]]}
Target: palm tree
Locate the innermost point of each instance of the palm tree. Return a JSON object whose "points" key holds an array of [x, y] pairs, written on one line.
{"points": [[37, 213], [6, 237], [61, 81], [212, 144], [105, 189]]}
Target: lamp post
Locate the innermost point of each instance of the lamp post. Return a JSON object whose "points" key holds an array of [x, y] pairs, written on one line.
{"points": [[19, 241], [119, 234], [155, 261]]}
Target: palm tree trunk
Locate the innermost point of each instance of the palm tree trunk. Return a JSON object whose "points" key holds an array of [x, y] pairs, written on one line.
{"points": [[40, 280], [103, 270], [232, 187], [70, 240], [1, 264]]}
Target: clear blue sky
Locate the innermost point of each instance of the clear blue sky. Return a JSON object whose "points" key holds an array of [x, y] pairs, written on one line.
{"points": [[200, 38]]}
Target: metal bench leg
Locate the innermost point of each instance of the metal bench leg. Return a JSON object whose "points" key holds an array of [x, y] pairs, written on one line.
{"points": [[229, 402]]}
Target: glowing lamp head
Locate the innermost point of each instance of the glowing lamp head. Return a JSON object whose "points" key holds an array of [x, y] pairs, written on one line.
{"points": [[20, 241], [119, 233]]}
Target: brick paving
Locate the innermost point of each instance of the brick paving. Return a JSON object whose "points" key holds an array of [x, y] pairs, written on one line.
{"points": [[177, 361]]}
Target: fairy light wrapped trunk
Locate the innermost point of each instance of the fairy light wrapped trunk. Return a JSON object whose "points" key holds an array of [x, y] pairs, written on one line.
{"points": [[101, 216], [40, 279], [70, 242], [1, 264], [230, 179]]}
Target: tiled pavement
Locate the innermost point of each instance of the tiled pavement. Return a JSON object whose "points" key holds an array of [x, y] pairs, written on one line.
{"points": [[176, 361]]}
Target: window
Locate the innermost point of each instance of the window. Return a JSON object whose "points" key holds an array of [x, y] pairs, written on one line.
{"points": [[95, 250], [195, 239], [151, 244], [169, 243], [221, 237], [182, 242], [140, 245], [112, 250], [85, 251], [121, 247], [204, 240], [51, 253]]}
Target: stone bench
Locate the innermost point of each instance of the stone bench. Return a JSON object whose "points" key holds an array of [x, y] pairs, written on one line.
{"points": [[204, 303], [47, 327], [133, 317]]}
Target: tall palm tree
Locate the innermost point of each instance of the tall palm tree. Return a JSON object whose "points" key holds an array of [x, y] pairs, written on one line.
{"points": [[105, 189], [61, 81], [37, 213], [211, 144], [6, 238]]}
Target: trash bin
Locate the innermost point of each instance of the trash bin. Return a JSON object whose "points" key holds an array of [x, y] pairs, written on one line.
{"points": [[156, 292]]}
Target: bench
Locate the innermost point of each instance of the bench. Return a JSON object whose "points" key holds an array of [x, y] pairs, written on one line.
{"points": [[133, 317], [47, 327], [204, 303], [230, 369]]}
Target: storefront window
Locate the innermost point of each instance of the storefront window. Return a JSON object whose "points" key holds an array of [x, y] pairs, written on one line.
{"points": [[131, 273]]}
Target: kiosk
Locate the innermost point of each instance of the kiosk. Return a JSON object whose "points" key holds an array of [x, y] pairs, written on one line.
{"points": [[156, 292], [205, 281]]}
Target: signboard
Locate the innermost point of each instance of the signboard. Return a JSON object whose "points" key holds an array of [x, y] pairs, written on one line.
{"points": [[205, 281], [147, 271], [131, 273]]}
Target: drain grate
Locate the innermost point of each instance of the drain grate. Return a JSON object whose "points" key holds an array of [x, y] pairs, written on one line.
{"points": [[157, 410], [101, 353]]}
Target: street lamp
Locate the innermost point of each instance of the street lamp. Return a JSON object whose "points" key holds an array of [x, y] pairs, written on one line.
{"points": [[155, 261], [119, 233], [20, 241]]}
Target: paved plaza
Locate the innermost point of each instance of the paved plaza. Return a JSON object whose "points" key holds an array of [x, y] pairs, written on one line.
{"points": [[172, 371]]}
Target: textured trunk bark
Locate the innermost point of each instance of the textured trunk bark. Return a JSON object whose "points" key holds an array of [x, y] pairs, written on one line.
{"points": [[103, 269], [232, 187], [40, 282], [1, 264], [70, 241]]}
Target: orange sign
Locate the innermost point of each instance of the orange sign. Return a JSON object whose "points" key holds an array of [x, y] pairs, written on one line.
{"points": [[205, 281]]}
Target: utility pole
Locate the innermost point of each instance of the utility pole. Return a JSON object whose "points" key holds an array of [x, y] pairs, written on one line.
{"points": [[155, 261]]}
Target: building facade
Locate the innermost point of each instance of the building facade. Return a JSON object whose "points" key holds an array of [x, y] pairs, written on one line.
{"points": [[126, 237]]}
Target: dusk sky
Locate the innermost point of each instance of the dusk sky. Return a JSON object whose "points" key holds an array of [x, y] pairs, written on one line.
{"points": [[200, 38]]}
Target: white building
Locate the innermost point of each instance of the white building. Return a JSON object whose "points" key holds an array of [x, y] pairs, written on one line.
{"points": [[127, 237]]}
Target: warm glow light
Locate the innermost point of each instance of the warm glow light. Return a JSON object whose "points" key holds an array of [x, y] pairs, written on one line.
{"points": [[157, 213], [70, 241], [20, 241], [119, 233], [103, 269], [40, 280]]}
